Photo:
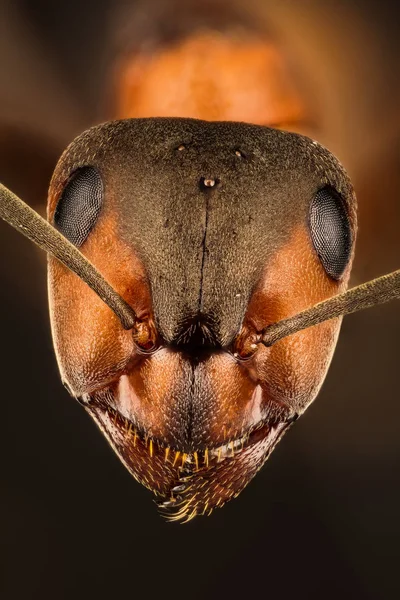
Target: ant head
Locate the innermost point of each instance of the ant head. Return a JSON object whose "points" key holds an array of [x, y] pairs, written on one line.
{"points": [[210, 232]]}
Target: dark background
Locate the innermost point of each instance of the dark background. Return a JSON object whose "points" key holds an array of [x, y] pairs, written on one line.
{"points": [[321, 520]]}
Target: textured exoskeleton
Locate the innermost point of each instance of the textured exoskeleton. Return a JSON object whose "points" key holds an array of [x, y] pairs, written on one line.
{"points": [[210, 231]]}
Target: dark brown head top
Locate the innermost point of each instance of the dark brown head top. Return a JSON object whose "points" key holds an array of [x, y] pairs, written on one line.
{"points": [[210, 231]]}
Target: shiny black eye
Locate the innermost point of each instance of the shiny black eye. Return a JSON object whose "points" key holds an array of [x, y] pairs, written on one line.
{"points": [[330, 231], [80, 204]]}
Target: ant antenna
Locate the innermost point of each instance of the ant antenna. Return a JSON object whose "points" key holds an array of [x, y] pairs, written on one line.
{"points": [[28, 222], [377, 291]]}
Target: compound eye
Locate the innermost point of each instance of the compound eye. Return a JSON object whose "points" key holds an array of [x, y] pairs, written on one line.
{"points": [[330, 231], [80, 204]]}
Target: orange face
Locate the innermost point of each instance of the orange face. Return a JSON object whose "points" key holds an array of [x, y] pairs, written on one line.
{"points": [[194, 412]]}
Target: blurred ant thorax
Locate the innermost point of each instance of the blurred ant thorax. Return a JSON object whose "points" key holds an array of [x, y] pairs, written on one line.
{"points": [[212, 76]]}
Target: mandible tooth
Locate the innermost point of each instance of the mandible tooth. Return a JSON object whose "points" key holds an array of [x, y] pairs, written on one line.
{"points": [[177, 454]]}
